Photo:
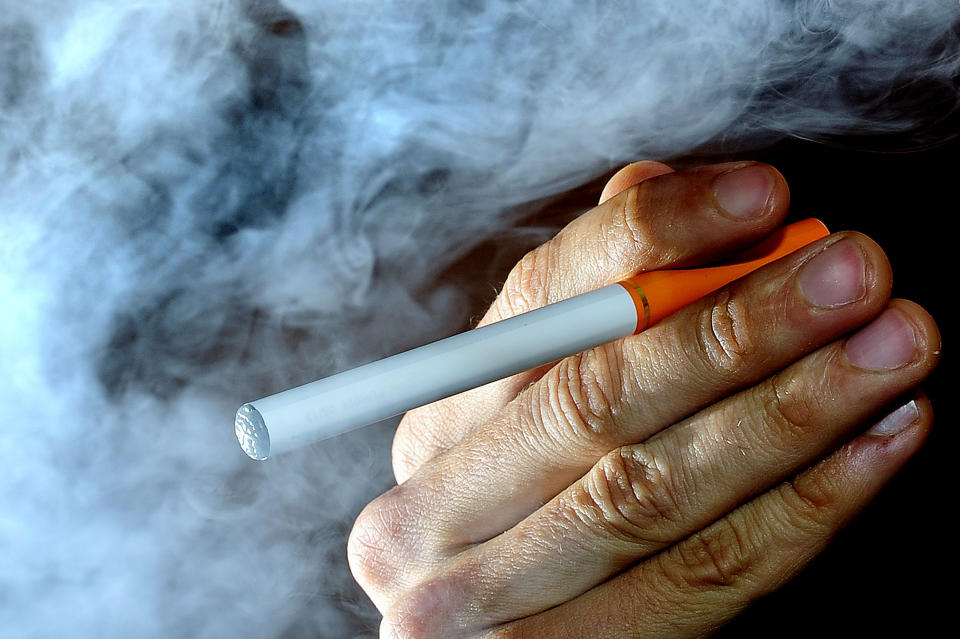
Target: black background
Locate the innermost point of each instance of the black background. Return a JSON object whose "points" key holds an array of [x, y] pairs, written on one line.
{"points": [[890, 571]]}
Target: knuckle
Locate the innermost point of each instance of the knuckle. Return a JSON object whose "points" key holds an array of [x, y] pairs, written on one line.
{"points": [[526, 287], [584, 397], [718, 556], [810, 503], [378, 535], [649, 244], [789, 407], [629, 495], [724, 335]]}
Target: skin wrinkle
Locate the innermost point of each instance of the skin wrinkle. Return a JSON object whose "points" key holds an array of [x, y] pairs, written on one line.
{"points": [[608, 251], [571, 413], [719, 343], [638, 240], [664, 371], [711, 559], [525, 288], [542, 433], [551, 294], [639, 496], [557, 415], [800, 511], [606, 514], [579, 508], [788, 407], [564, 425], [593, 376]]}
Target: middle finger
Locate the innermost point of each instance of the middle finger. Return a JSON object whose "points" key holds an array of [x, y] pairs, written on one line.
{"points": [[624, 392]]}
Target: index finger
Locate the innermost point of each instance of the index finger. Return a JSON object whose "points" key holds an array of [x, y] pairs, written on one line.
{"points": [[675, 219]]}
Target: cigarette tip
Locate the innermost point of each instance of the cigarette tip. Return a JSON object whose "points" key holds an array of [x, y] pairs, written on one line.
{"points": [[252, 432]]}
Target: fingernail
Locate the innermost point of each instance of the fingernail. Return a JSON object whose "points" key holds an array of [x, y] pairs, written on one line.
{"points": [[896, 421], [835, 277], [744, 192], [886, 343]]}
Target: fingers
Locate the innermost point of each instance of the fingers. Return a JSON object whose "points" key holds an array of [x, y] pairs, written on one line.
{"points": [[641, 498], [558, 429], [670, 220], [701, 583], [624, 392]]}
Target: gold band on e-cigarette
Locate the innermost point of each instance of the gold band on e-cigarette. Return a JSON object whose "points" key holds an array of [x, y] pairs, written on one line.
{"points": [[640, 302]]}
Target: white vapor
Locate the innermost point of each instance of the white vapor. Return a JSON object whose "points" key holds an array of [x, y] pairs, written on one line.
{"points": [[202, 203]]}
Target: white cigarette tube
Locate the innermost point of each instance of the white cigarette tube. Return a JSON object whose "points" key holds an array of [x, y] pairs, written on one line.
{"points": [[391, 386]]}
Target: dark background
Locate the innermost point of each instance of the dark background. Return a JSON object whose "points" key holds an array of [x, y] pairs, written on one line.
{"points": [[891, 571]]}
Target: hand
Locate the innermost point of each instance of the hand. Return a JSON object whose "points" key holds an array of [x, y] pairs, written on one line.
{"points": [[656, 485]]}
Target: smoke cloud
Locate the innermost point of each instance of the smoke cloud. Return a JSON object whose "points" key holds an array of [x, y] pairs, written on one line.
{"points": [[203, 203]]}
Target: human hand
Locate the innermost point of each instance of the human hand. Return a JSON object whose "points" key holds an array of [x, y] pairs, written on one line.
{"points": [[656, 485]]}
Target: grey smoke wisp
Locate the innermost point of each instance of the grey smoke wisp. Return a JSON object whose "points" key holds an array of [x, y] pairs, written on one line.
{"points": [[202, 203]]}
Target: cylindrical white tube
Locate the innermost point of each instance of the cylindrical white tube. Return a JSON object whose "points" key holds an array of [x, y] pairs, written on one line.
{"points": [[391, 386]]}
